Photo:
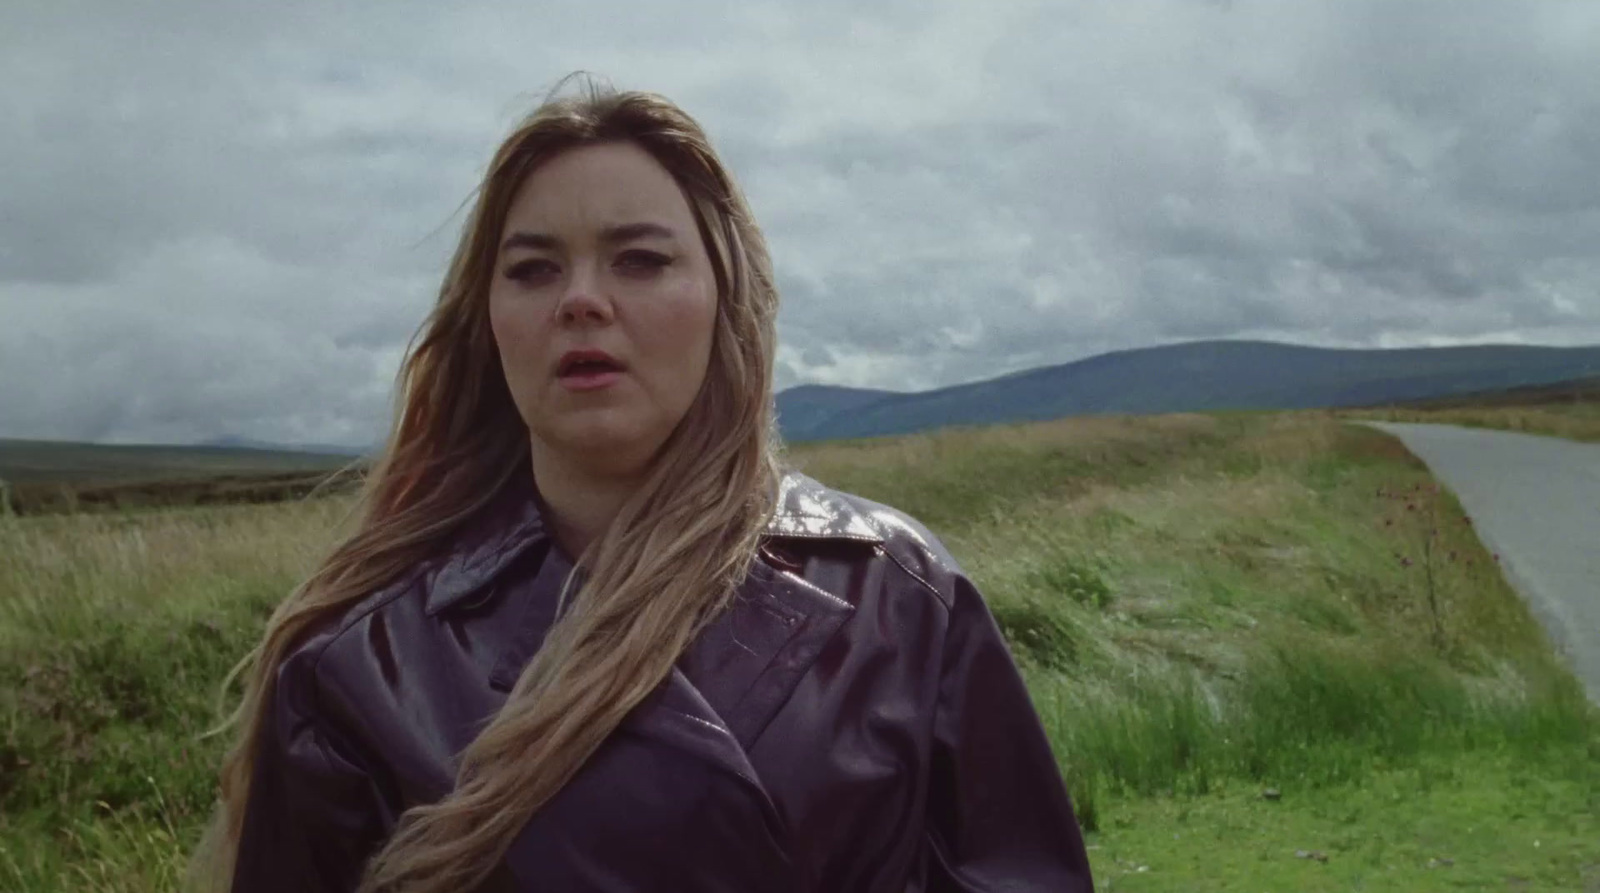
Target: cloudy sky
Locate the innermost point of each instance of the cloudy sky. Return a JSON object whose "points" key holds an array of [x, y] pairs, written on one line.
{"points": [[225, 218]]}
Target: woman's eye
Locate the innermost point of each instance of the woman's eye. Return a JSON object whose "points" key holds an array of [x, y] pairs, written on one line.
{"points": [[529, 269], [641, 263], [647, 261]]}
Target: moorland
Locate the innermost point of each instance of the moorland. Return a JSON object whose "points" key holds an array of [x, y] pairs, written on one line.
{"points": [[1268, 648]]}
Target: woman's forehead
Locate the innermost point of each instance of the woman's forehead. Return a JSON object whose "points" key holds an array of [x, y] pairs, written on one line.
{"points": [[590, 190]]}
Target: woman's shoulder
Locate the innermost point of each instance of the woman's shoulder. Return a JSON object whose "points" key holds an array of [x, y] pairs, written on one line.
{"points": [[810, 511], [448, 574], [307, 662]]}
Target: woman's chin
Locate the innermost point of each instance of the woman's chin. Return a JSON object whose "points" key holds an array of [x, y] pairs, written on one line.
{"points": [[607, 445]]}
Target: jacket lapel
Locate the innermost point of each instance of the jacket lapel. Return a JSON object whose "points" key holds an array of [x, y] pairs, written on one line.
{"points": [[749, 660], [740, 671], [742, 668], [487, 545]]}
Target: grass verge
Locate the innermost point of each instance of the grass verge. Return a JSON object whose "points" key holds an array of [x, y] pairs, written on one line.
{"points": [[1204, 606], [1573, 421]]}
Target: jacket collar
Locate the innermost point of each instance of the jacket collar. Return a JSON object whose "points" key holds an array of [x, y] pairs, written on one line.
{"points": [[512, 524], [808, 510]]}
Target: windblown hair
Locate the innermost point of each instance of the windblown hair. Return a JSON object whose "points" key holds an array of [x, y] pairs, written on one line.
{"points": [[667, 564]]}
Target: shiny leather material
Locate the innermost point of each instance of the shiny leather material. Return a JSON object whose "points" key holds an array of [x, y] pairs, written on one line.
{"points": [[853, 723]]}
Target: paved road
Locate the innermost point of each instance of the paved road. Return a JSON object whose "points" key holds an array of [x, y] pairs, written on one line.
{"points": [[1536, 501]]}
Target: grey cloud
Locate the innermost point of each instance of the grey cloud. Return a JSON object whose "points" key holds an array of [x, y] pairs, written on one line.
{"points": [[1362, 155], [234, 215]]}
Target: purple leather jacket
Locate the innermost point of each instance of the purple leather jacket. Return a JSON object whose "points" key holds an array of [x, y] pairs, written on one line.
{"points": [[853, 724]]}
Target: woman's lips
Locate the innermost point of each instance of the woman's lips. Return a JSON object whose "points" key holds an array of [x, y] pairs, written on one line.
{"points": [[590, 379]]}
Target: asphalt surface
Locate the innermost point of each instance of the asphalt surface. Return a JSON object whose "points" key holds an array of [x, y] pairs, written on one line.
{"points": [[1536, 501]]}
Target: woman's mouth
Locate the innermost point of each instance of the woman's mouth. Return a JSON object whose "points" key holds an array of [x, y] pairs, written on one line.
{"points": [[588, 370], [588, 380]]}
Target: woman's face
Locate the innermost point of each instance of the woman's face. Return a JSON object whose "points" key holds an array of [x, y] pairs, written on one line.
{"points": [[600, 252]]}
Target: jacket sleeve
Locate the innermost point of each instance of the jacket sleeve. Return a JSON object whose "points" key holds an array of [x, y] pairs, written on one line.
{"points": [[998, 813], [315, 812]]}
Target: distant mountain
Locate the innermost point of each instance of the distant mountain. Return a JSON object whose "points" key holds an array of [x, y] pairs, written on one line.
{"points": [[44, 461], [810, 405], [1570, 391], [1196, 376], [321, 449]]}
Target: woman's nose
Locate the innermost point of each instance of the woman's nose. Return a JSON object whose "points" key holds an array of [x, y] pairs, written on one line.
{"points": [[584, 300]]}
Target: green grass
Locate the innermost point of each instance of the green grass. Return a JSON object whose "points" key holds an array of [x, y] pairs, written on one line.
{"points": [[1485, 820], [1203, 607], [1573, 421], [115, 631], [1247, 600]]}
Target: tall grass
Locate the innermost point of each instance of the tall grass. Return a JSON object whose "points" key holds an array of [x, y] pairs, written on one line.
{"points": [[1275, 598], [1193, 599], [115, 632], [1578, 420]]}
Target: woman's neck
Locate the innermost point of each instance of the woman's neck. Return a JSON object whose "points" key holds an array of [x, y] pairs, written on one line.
{"points": [[579, 503]]}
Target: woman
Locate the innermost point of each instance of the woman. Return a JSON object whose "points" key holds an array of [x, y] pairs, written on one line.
{"points": [[589, 635]]}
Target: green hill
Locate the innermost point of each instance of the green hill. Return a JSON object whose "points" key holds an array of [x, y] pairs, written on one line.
{"points": [[1194, 377]]}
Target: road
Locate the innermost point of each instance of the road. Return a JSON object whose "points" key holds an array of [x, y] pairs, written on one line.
{"points": [[1536, 501]]}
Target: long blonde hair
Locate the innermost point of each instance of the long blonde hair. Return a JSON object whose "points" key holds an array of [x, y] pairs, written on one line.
{"points": [[666, 565]]}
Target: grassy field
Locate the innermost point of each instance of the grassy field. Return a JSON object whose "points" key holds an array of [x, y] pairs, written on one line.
{"points": [[50, 461], [1270, 653], [1579, 421], [1568, 409], [43, 476]]}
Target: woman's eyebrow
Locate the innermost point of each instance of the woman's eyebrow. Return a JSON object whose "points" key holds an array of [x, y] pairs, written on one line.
{"points": [[611, 235]]}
